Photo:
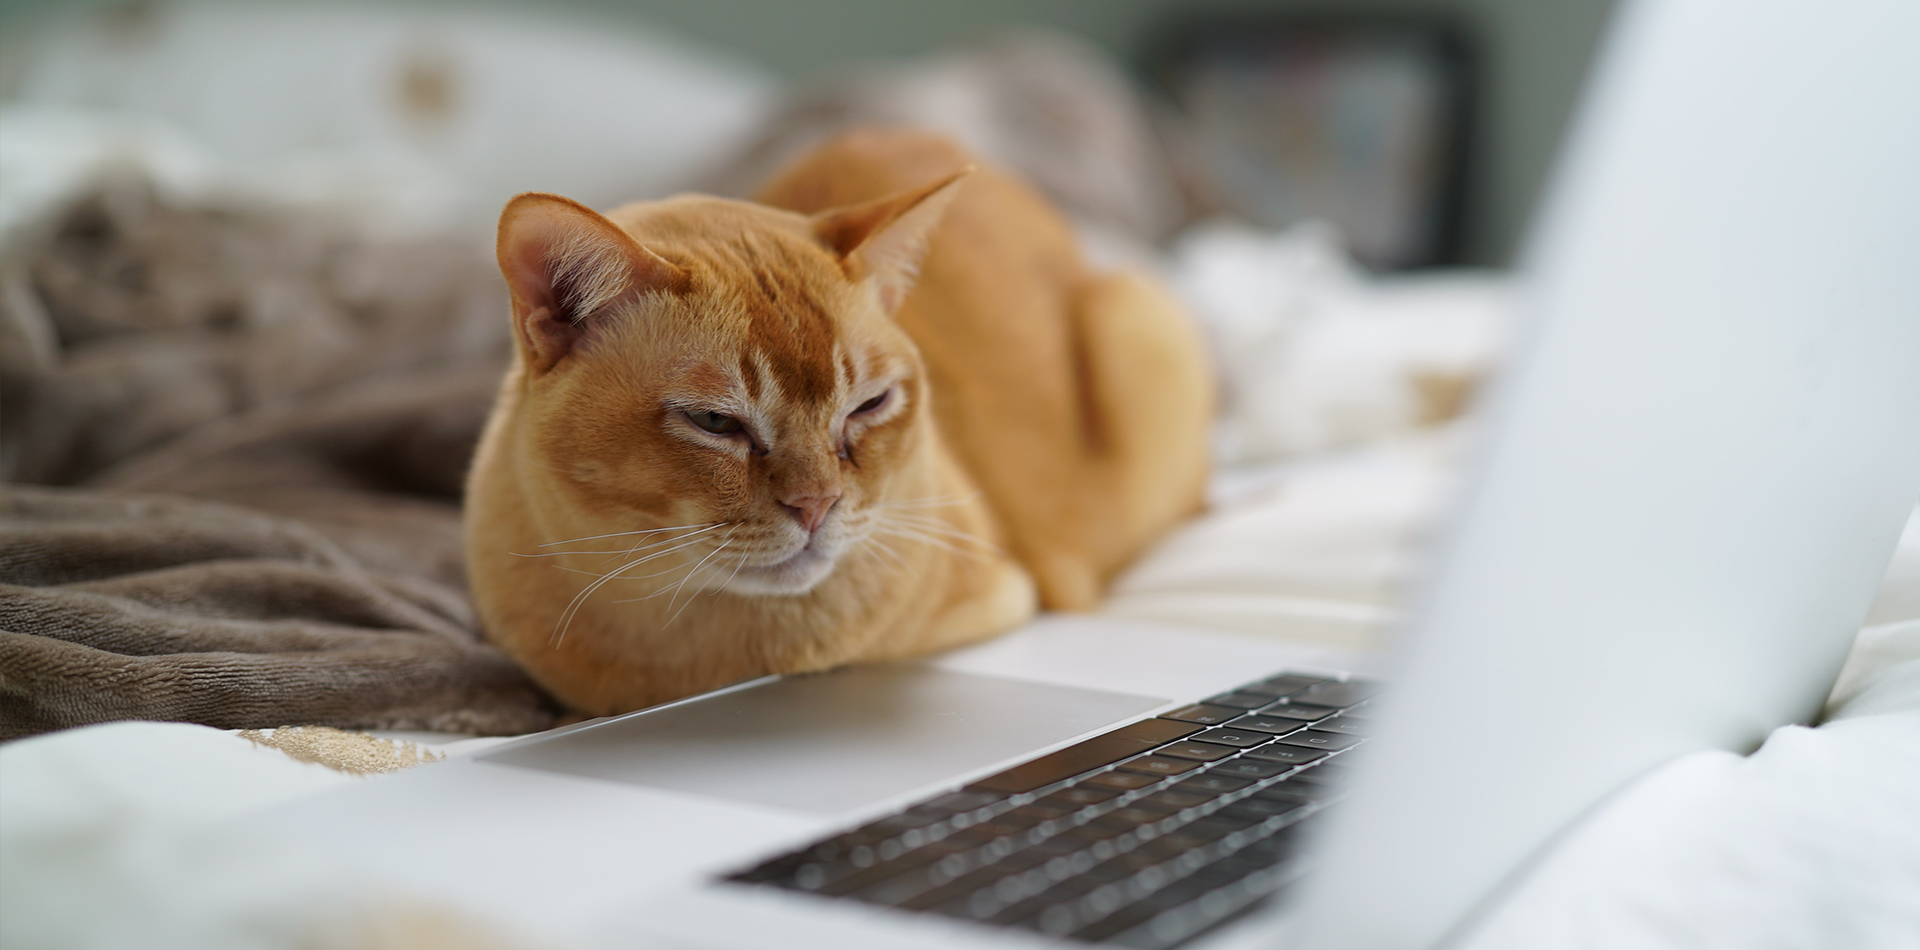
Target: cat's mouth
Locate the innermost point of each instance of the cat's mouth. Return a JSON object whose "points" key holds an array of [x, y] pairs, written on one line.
{"points": [[797, 574]]}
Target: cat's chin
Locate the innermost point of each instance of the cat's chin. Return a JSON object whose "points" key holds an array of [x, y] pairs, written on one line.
{"points": [[798, 574]]}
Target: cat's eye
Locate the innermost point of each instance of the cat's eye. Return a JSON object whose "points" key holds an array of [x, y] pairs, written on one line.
{"points": [[715, 422], [872, 404]]}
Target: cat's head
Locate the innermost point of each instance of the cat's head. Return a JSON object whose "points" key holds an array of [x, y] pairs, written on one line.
{"points": [[723, 370]]}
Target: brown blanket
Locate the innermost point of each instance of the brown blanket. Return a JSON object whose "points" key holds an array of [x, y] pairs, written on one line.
{"points": [[260, 421]]}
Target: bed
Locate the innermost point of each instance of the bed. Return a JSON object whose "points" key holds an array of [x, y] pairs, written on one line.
{"points": [[1341, 436]]}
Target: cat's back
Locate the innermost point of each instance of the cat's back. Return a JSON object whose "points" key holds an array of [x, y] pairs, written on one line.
{"points": [[1035, 361], [872, 163], [992, 309], [999, 267]]}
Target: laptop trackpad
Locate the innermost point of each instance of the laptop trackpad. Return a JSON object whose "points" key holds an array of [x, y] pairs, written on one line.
{"points": [[831, 742]]}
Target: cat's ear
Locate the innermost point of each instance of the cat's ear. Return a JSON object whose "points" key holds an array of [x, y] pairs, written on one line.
{"points": [[564, 263], [884, 239]]}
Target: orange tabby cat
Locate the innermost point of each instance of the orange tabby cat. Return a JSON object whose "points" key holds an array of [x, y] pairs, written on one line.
{"points": [[738, 439]]}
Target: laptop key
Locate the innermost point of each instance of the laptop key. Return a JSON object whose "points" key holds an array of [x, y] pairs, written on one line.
{"points": [[975, 836], [894, 890], [1291, 791], [1159, 765], [1083, 795], [1119, 781], [1285, 684], [1286, 755], [1197, 751], [1238, 738], [1079, 839], [1129, 818], [1336, 694], [1173, 799], [1260, 809], [1242, 700], [1086, 756], [1049, 807], [1212, 783], [1026, 816], [1329, 741], [1268, 726], [1108, 872], [1320, 775], [1211, 828], [1204, 714], [997, 885], [1250, 766], [1287, 710], [1177, 893], [958, 888], [1341, 725], [847, 883]]}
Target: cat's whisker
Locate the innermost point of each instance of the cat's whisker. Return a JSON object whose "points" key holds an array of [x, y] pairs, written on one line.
{"points": [[931, 501], [942, 528], [641, 543], [933, 524], [937, 543], [662, 589], [736, 573], [635, 549], [876, 546], [919, 515], [573, 606], [961, 538], [624, 577], [683, 583], [672, 585], [928, 527], [566, 615], [710, 525], [622, 551], [657, 591], [907, 532]]}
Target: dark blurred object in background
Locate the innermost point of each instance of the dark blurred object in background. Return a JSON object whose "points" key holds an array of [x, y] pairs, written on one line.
{"points": [[1051, 108], [1358, 122]]}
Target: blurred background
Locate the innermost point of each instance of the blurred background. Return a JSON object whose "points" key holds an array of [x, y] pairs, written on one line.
{"points": [[246, 265], [1420, 128]]}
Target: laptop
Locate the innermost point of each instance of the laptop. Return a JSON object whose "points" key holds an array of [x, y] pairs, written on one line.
{"points": [[1688, 483]]}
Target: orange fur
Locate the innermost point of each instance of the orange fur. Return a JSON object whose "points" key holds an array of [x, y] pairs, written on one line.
{"points": [[1079, 402], [1039, 423]]}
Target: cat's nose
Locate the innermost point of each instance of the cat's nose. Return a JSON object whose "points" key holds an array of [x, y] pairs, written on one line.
{"points": [[810, 510]]}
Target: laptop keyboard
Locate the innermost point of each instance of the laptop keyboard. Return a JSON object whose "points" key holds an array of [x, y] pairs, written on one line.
{"points": [[1145, 836]]}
